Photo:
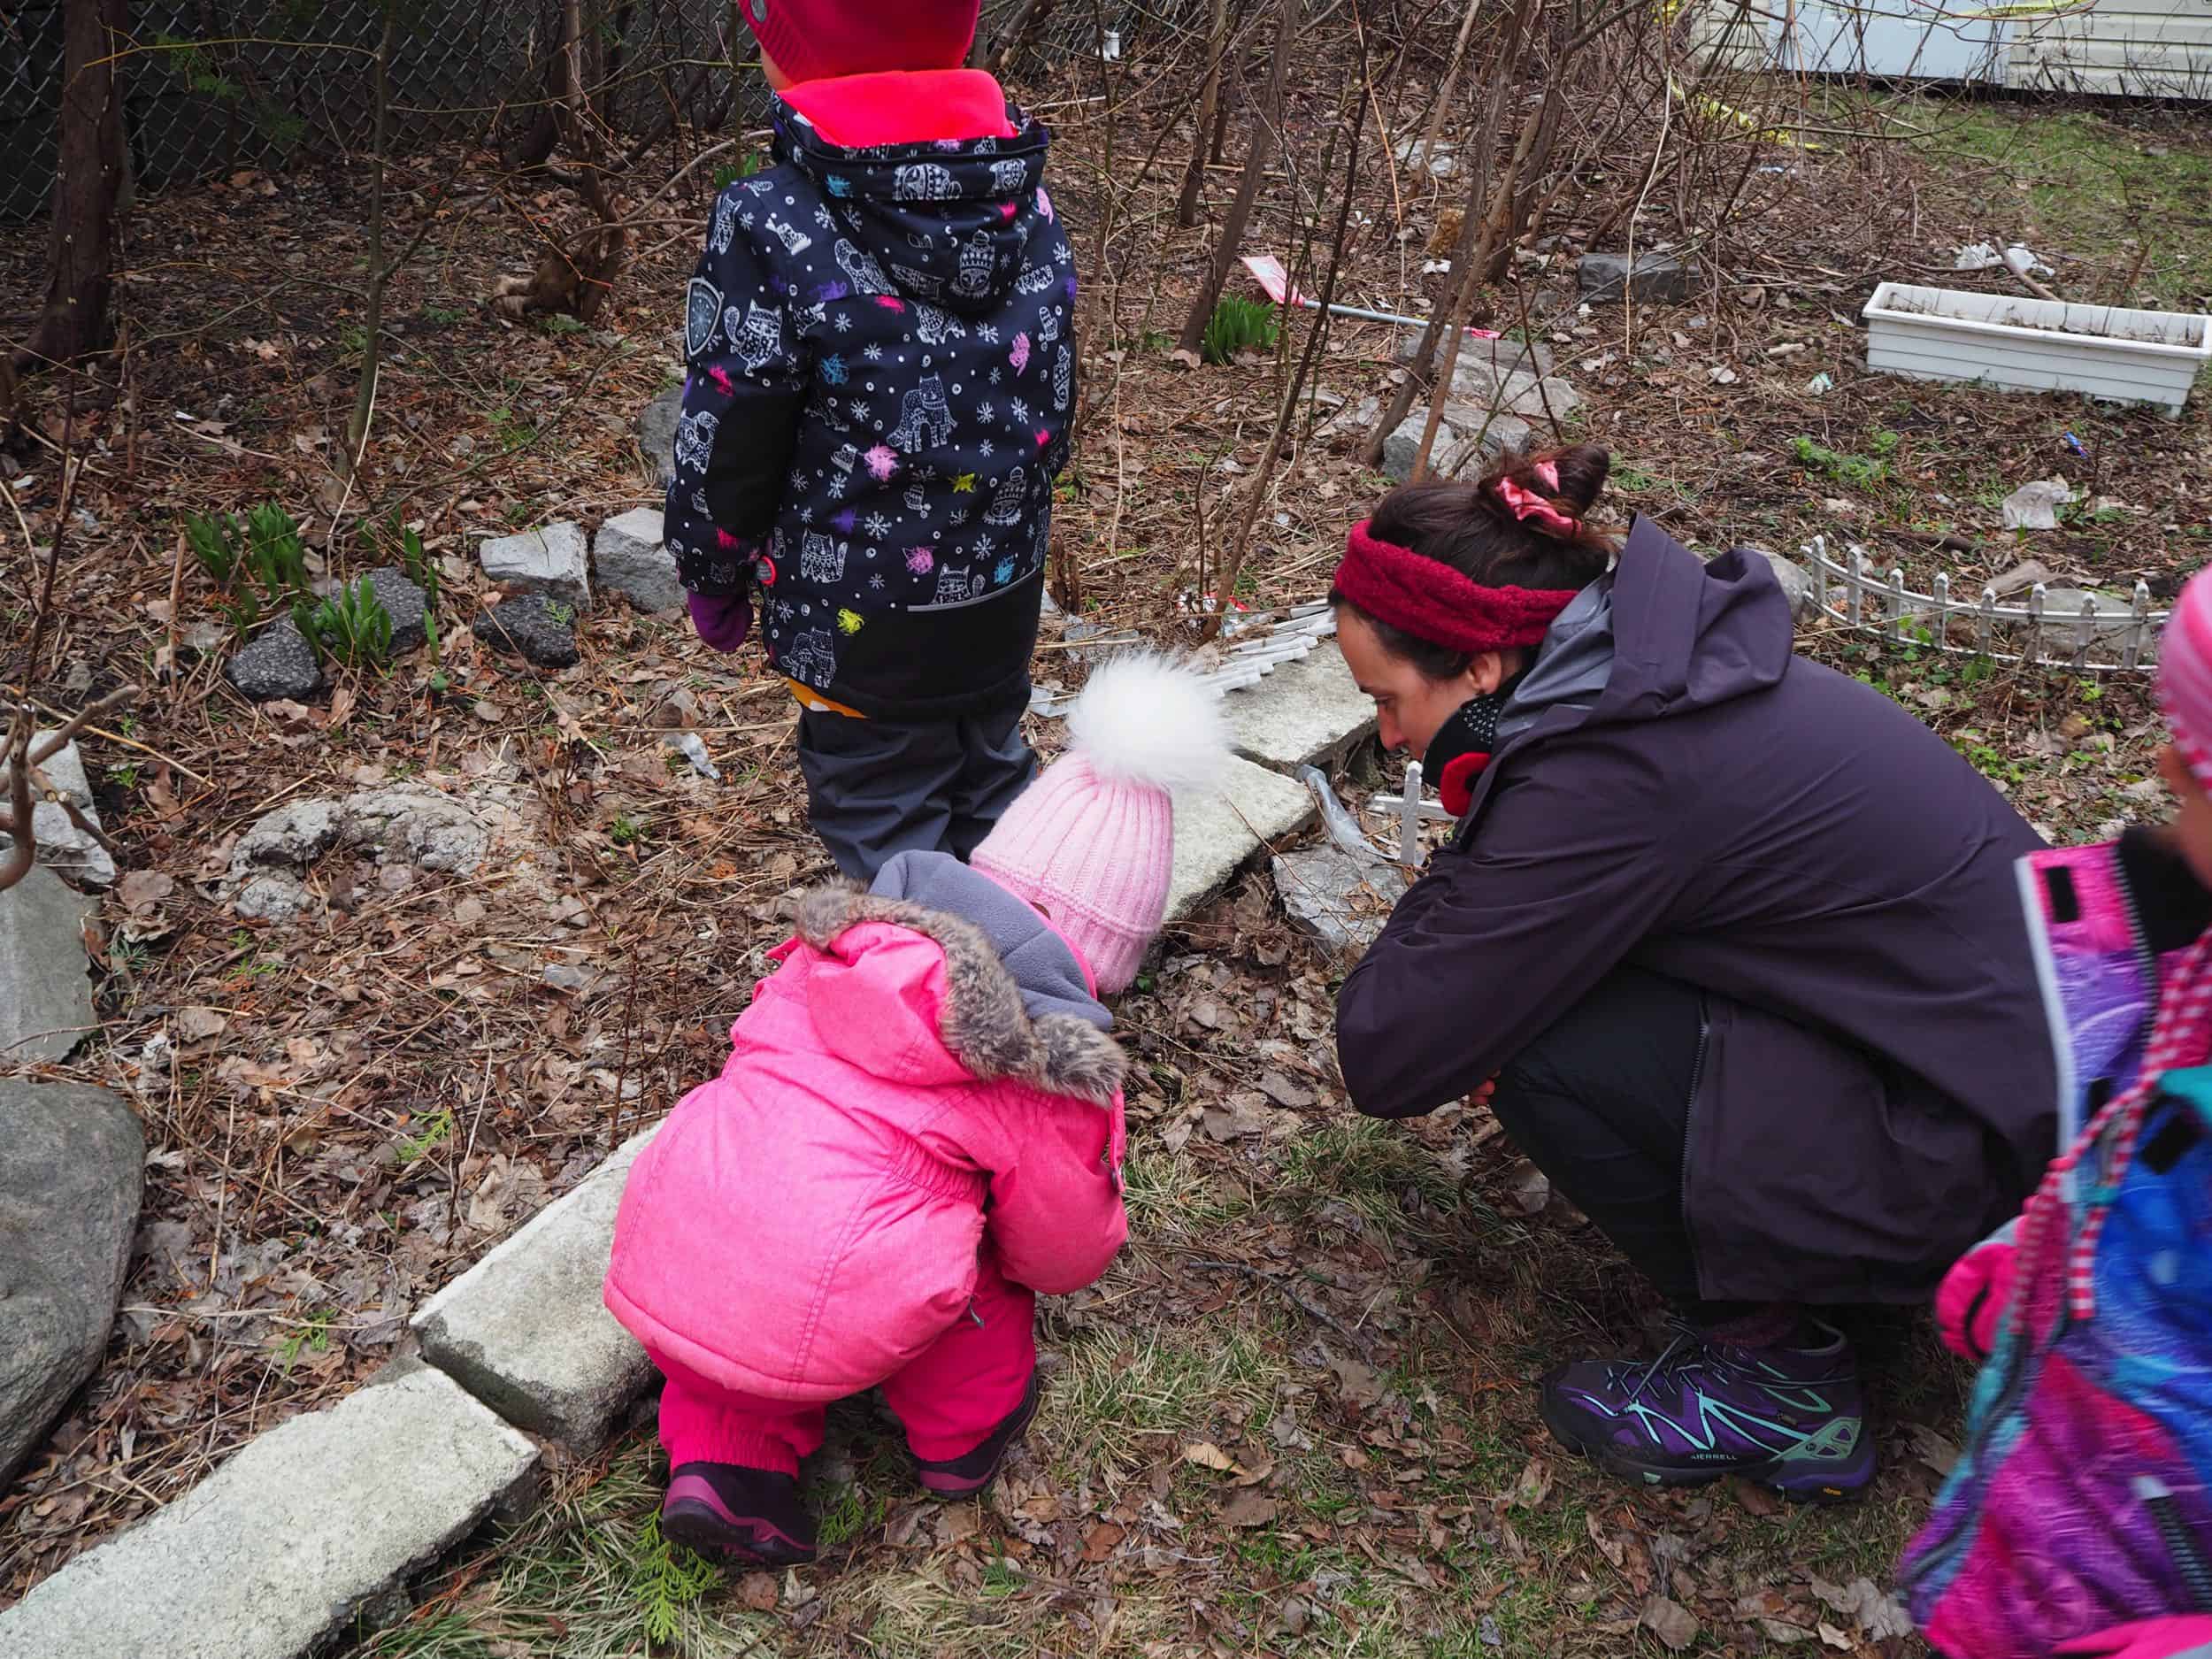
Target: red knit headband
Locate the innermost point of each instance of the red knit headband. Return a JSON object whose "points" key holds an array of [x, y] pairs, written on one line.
{"points": [[1433, 602]]}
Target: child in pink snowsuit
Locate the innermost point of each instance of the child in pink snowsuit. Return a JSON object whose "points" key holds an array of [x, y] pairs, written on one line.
{"points": [[918, 1130]]}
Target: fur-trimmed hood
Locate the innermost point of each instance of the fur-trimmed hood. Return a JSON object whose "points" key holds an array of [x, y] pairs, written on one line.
{"points": [[873, 1004]]}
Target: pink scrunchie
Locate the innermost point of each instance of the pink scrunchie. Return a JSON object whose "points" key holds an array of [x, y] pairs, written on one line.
{"points": [[1529, 507]]}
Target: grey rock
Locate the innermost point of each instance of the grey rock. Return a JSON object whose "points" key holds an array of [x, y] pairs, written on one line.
{"points": [[1351, 420], [45, 995], [527, 628], [317, 1523], [407, 824], [527, 1330], [404, 603], [1494, 436], [1439, 160], [553, 560], [1217, 829], [2034, 506], [629, 557], [1482, 363], [1796, 584], [72, 1159], [62, 847], [1658, 278], [1338, 899], [657, 435], [404, 824], [1403, 446], [1307, 712], [279, 663], [1535, 397], [2064, 607], [2020, 578], [293, 834]]}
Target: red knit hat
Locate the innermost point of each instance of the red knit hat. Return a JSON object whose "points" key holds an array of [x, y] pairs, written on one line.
{"points": [[813, 40]]}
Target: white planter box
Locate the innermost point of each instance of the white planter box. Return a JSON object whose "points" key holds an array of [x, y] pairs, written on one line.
{"points": [[2034, 345]]}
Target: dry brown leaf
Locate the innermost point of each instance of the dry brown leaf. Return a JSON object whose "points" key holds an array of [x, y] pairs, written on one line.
{"points": [[142, 890], [1931, 1449], [1532, 1188], [197, 1024], [1674, 1625], [956, 1521], [1534, 1485], [1248, 1507], [1206, 1455], [1356, 1382], [1254, 1467], [1756, 1499], [1610, 1548], [1101, 1541], [758, 1591]]}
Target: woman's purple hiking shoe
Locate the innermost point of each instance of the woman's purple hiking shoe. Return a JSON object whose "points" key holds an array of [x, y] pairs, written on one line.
{"points": [[750, 1516], [970, 1473], [1786, 1416]]}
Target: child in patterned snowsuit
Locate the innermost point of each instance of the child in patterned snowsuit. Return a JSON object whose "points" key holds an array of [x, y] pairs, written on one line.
{"points": [[882, 377], [2078, 1517], [918, 1129]]}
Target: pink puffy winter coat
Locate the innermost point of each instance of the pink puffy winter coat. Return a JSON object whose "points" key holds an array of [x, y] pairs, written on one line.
{"points": [[808, 1221]]}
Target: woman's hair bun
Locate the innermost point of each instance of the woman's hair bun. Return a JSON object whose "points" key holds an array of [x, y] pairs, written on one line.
{"points": [[1583, 470]]}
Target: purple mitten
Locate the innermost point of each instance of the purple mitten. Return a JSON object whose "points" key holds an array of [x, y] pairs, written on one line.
{"points": [[722, 619]]}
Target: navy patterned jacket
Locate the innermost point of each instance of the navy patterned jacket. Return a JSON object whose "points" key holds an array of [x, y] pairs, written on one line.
{"points": [[882, 379]]}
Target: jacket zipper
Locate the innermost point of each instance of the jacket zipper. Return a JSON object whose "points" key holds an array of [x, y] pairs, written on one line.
{"points": [[1689, 1115], [1969, 1510], [2145, 958]]}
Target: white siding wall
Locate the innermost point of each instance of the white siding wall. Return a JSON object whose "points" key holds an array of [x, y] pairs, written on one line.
{"points": [[2129, 48], [2133, 48]]}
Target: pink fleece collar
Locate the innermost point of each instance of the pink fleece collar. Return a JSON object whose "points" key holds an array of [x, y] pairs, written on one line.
{"points": [[904, 106]]}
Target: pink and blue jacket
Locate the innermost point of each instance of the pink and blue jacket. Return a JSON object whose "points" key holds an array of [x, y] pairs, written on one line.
{"points": [[897, 1099], [2081, 1502]]}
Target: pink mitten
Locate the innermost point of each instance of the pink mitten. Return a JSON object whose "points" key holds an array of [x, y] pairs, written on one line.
{"points": [[723, 619], [2180, 1636], [1971, 1301]]}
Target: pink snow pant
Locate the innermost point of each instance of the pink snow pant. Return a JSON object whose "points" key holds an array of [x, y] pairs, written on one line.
{"points": [[949, 1397]]}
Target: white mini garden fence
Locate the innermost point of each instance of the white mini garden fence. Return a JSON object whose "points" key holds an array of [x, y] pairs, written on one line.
{"points": [[2099, 636]]}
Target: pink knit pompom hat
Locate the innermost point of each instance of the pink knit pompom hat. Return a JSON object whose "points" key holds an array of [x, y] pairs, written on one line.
{"points": [[2185, 677], [813, 40], [1092, 842]]}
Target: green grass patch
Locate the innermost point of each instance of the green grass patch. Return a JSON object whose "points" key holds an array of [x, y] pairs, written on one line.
{"points": [[587, 1576], [2090, 185]]}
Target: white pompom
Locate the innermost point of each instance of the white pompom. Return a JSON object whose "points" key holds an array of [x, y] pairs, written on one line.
{"points": [[1144, 718]]}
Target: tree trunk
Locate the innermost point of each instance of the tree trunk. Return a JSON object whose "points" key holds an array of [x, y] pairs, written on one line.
{"points": [[372, 324], [80, 251], [1467, 254], [1434, 125], [1201, 133], [1266, 124]]}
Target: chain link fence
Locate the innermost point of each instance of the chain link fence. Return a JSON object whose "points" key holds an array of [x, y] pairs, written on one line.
{"points": [[216, 85], [211, 85]]}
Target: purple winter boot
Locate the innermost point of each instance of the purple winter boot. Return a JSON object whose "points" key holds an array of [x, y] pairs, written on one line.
{"points": [[972, 1471], [1785, 1414], [751, 1517]]}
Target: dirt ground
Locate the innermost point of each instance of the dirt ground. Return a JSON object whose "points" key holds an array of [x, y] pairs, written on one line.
{"points": [[1298, 1415]]}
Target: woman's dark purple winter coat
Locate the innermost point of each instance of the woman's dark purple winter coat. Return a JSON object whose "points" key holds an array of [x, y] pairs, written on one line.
{"points": [[1675, 789]]}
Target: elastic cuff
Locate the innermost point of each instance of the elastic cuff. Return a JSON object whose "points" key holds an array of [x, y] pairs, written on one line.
{"points": [[730, 1443]]}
